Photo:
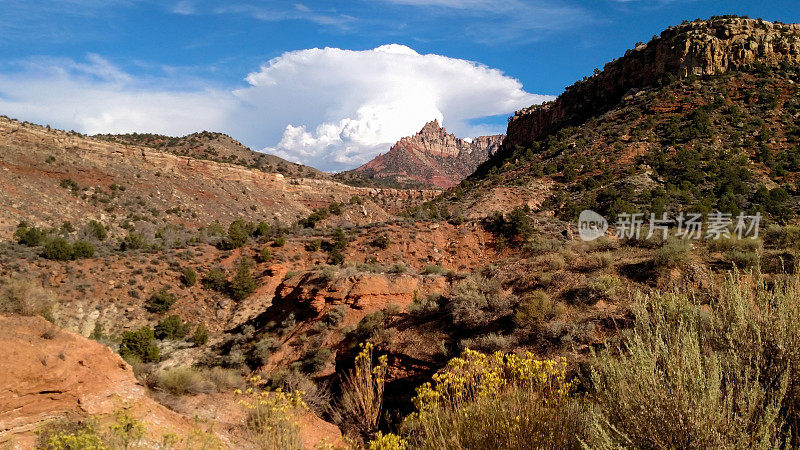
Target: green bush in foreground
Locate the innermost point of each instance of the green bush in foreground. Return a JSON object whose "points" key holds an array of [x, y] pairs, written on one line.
{"points": [[139, 345]]}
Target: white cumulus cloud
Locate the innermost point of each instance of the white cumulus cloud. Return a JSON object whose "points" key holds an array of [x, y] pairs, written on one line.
{"points": [[346, 106], [330, 108]]}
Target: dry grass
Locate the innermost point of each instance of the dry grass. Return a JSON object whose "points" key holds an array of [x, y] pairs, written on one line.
{"points": [[26, 297]]}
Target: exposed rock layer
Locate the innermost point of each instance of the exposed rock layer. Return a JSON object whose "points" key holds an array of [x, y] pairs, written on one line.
{"points": [[701, 48], [431, 157]]}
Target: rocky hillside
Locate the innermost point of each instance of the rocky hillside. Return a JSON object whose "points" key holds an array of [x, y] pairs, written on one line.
{"points": [[703, 117], [49, 177], [431, 158], [217, 147], [699, 48]]}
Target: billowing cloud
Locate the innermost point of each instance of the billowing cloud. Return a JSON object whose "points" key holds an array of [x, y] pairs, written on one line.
{"points": [[346, 105], [330, 108]]}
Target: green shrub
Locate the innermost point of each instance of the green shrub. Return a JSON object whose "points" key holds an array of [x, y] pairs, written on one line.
{"points": [[200, 336], [535, 308], [238, 234], [30, 237], [782, 237], [434, 269], [339, 239], [539, 244], [512, 226], [57, 249], [262, 229], [477, 301], [139, 345], [732, 243], [422, 308], [189, 277], [335, 208], [603, 259], [316, 216], [601, 287], [743, 259], [265, 255], [82, 249], [489, 342], [314, 245], [263, 349], [315, 360], [673, 253], [279, 241], [336, 315], [171, 327], [215, 279], [224, 379], [160, 301], [381, 242], [96, 230], [335, 257], [369, 326], [554, 261], [133, 241], [242, 283], [398, 268]]}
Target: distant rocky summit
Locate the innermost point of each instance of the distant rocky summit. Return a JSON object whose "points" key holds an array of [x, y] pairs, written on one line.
{"points": [[430, 158]]}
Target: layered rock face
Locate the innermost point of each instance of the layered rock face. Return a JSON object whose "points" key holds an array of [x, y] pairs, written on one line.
{"points": [[700, 48], [431, 157]]}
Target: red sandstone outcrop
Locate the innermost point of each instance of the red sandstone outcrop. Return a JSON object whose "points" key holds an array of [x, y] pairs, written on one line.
{"points": [[46, 373], [431, 157]]}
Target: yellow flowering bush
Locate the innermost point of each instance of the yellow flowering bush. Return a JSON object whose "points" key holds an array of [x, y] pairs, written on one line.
{"points": [[387, 441], [362, 390], [474, 375], [83, 438], [500, 400], [272, 416]]}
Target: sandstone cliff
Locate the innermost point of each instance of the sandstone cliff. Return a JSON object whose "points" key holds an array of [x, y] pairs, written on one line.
{"points": [[705, 47]]}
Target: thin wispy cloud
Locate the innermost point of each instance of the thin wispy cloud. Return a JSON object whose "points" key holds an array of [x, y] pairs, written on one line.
{"points": [[184, 8], [269, 12], [511, 21]]}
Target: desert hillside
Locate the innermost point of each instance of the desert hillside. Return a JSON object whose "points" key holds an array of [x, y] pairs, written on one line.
{"points": [[148, 292]]}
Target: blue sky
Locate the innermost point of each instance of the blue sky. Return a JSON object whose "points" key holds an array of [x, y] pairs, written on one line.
{"points": [[246, 67]]}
